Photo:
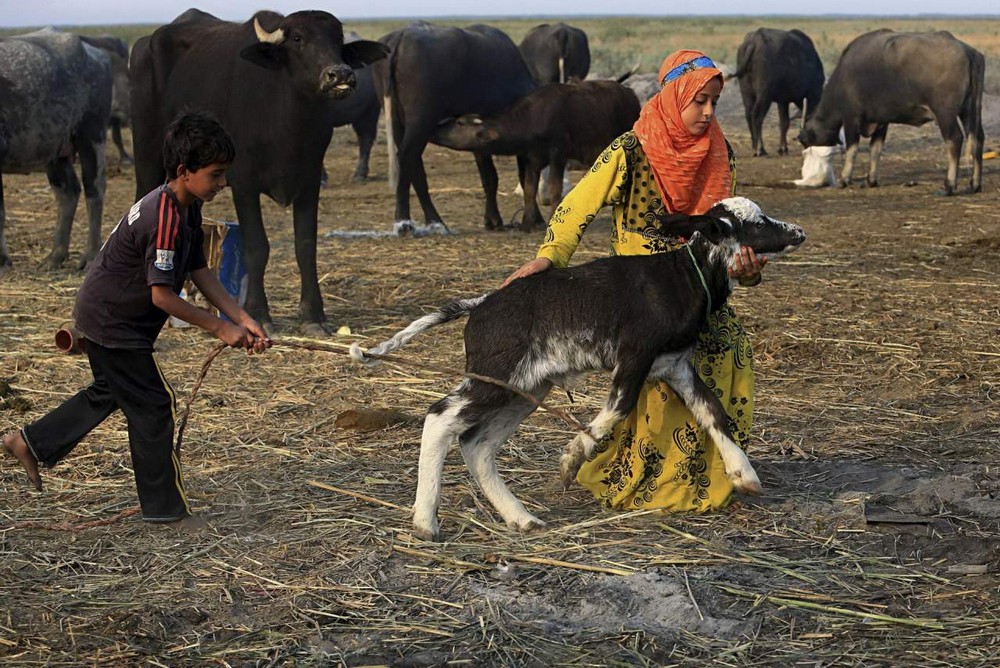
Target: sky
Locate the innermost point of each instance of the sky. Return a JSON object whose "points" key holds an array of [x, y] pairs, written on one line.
{"points": [[16, 13]]}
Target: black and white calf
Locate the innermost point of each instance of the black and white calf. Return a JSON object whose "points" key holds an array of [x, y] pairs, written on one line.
{"points": [[636, 316]]}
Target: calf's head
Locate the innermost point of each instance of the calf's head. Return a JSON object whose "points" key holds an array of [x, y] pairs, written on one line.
{"points": [[309, 45], [736, 222]]}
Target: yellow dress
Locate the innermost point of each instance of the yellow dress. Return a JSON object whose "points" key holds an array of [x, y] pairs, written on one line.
{"points": [[657, 457]]}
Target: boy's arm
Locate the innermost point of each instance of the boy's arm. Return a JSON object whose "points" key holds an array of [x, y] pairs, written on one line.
{"points": [[209, 285], [232, 334]]}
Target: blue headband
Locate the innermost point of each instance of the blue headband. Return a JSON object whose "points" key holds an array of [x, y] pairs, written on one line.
{"points": [[684, 68]]}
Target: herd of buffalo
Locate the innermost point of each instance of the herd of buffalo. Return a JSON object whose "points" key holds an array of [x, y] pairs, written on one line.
{"points": [[280, 84]]}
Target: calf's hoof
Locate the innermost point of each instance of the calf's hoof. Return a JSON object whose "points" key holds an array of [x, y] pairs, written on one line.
{"points": [[527, 525], [569, 466], [426, 529], [746, 482]]}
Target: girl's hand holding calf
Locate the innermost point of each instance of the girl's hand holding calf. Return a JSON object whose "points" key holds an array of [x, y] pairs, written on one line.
{"points": [[746, 266]]}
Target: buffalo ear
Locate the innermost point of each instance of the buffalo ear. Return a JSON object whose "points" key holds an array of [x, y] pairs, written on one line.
{"points": [[266, 55], [363, 52]]}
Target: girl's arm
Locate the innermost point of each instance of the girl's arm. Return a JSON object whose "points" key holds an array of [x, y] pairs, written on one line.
{"points": [[601, 186]]}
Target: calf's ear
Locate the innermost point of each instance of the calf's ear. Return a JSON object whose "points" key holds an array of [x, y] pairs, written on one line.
{"points": [[363, 52], [266, 55], [683, 225]]}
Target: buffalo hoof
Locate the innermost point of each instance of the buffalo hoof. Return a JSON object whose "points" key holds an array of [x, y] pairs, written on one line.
{"points": [[5, 265], [871, 184], [842, 183], [759, 153], [314, 330], [359, 178], [55, 259], [972, 190], [783, 150]]}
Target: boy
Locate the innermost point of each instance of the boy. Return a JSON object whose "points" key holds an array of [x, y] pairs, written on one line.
{"points": [[127, 295]]}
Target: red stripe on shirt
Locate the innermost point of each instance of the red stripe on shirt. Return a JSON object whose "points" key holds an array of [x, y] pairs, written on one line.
{"points": [[169, 225], [159, 220]]}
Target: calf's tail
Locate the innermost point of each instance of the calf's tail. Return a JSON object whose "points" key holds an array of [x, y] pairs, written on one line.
{"points": [[446, 313]]}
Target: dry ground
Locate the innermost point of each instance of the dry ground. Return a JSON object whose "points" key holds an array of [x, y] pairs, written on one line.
{"points": [[877, 438]]}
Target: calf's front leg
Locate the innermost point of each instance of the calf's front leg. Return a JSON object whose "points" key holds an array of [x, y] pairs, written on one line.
{"points": [[710, 415]]}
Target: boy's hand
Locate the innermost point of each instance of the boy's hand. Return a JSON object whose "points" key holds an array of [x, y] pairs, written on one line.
{"points": [[259, 340], [234, 335]]}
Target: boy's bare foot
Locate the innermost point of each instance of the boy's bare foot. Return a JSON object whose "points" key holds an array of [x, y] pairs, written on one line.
{"points": [[189, 524], [15, 445]]}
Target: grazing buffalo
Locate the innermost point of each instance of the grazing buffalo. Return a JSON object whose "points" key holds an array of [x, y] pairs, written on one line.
{"points": [[888, 77], [548, 127], [55, 101], [779, 66], [556, 53], [435, 74], [121, 104], [272, 82]]}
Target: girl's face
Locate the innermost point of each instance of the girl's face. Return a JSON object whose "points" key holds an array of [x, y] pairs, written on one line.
{"points": [[698, 115]]}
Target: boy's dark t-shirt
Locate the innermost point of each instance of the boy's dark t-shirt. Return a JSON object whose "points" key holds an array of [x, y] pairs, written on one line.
{"points": [[155, 243]]}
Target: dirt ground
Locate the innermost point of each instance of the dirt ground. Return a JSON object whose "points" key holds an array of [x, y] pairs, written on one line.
{"points": [[877, 437]]}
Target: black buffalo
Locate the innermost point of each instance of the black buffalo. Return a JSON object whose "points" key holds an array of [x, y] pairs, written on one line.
{"points": [[55, 102], [121, 104], [887, 77], [548, 127], [556, 53], [777, 66], [272, 82], [435, 74]]}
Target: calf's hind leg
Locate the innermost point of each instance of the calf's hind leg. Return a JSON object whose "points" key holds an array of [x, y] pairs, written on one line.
{"points": [[480, 444], [711, 416]]}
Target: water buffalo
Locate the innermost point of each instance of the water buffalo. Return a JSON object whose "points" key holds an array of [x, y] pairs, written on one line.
{"points": [[548, 127], [556, 53], [779, 66], [434, 74], [888, 77], [272, 82], [55, 102], [121, 107]]}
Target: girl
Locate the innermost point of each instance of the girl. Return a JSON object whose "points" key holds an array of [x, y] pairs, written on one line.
{"points": [[674, 160]]}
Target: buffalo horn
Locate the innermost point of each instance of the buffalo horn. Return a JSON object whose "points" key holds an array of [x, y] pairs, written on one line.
{"points": [[276, 37]]}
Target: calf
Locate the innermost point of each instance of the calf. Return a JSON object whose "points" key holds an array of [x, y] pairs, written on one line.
{"points": [[549, 328], [548, 127]]}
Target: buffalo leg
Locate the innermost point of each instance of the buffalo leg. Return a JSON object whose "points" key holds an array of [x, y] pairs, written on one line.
{"points": [[5, 262], [749, 99], [977, 138], [116, 137], [783, 123], [951, 131], [851, 139], [305, 211], [256, 251], [488, 176], [411, 172], [66, 188], [557, 174], [366, 130], [92, 156], [875, 145], [532, 218]]}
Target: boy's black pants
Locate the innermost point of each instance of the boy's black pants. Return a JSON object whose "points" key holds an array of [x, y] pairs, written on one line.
{"points": [[129, 380]]}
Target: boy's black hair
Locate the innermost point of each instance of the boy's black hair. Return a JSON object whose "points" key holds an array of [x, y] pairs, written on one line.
{"points": [[195, 140]]}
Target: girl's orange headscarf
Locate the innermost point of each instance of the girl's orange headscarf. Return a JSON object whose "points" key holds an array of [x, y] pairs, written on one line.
{"points": [[691, 170]]}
